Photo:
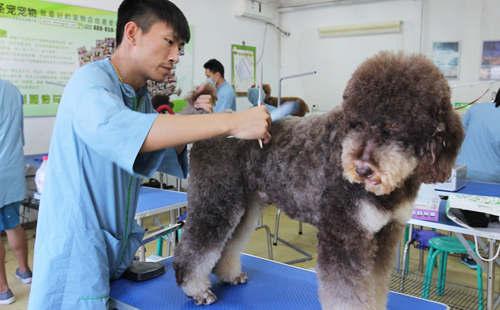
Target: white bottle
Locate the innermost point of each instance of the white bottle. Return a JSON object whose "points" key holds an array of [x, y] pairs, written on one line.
{"points": [[40, 175]]}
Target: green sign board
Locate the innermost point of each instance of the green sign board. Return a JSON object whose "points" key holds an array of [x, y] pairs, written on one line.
{"points": [[39, 47]]}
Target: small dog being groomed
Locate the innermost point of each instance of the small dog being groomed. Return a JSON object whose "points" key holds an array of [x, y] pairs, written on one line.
{"points": [[353, 173]]}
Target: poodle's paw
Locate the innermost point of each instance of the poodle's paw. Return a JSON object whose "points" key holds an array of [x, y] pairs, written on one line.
{"points": [[242, 278], [205, 298]]}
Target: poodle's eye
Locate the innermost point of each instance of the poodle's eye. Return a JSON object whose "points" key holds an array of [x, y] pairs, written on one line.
{"points": [[358, 126], [404, 140]]}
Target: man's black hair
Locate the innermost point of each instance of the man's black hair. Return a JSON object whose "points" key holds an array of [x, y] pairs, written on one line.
{"points": [[214, 66], [145, 13]]}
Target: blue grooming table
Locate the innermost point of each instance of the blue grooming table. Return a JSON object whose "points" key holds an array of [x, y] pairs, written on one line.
{"points": [[475, 188], [34, 160], [153, 201], [270, 285]]}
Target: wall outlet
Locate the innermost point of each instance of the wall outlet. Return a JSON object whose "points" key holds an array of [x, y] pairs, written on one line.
{"points": [[315, 107]]}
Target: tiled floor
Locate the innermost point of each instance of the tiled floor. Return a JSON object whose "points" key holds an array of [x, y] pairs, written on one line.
{"points": [[457, 272]]}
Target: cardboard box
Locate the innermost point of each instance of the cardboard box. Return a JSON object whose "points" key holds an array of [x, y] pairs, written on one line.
{"points": [[457, 180], [427, 210]]}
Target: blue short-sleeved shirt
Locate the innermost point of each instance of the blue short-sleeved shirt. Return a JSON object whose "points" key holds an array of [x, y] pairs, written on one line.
{"points": [[226, 98], [12, 178], [481, 148], [86, 233]]}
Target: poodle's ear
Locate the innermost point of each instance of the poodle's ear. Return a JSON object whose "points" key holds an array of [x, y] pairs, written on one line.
{"points": [[440, 153], [267, 89]]}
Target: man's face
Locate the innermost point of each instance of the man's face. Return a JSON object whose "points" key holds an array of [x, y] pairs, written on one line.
{"points": [[157, 51], [210, 75]]}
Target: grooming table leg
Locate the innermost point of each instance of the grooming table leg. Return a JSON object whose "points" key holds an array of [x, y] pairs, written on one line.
{"points": [[268, 234], [276, 227]]}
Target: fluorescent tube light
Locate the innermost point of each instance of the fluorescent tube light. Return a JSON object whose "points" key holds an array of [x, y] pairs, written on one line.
{"points": [[360, 29]]}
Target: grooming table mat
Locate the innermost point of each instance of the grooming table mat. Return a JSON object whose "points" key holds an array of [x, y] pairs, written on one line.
{"points": [[154, 201], [270, 284], [475, 188]]}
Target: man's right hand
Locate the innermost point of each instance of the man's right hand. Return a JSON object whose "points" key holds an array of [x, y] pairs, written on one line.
{"points": [[251, 124]]}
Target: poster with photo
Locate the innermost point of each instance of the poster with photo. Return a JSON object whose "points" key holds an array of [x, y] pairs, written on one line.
{"points": [[446, 56], [490, 61], [243, 64], [43, 43], [39, 44]]}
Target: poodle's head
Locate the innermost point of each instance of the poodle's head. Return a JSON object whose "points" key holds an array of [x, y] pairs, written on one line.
{"points": [[204, 89], [399, 123]]}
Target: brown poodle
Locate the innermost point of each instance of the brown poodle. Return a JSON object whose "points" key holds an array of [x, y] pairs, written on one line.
{"points": [[303, 107], [353, 173]]}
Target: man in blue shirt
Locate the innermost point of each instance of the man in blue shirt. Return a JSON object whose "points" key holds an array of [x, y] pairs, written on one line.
{"points": [[12, 185], [107, 137], [214, 72], [481, 149]]}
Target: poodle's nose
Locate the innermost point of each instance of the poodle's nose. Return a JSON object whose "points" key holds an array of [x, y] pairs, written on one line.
{"points": [[364, 171]]}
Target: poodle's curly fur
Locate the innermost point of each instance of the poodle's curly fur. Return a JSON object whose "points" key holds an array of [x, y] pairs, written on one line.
{"points": [[303, 107], [353, 173], [204, 89]]}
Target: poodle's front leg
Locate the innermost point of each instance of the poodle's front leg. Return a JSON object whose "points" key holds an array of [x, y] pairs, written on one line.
{"points": [[387, 240], [345, 271]]}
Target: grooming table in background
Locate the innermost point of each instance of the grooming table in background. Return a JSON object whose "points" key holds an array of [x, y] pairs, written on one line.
{"points": [[270, 285], [153, 201], [444, 223]]}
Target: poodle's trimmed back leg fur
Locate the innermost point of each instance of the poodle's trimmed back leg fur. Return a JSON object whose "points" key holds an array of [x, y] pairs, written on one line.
{"points": [[228, 268], [199, 250]]}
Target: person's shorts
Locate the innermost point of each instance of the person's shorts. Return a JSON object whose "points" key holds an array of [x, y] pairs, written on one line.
{"points": [[9, 216]]}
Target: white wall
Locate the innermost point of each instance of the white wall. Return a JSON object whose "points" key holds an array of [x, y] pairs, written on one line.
{"points": [[471, 22], [215, 29], [468, 21], [334, 59]]}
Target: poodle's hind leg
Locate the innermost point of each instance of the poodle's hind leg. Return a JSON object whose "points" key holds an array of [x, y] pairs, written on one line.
{"points": [[205, 234], [228, 268]]}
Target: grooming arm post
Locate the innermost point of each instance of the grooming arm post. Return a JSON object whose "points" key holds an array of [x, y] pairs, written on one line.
{"points": [[290, 77]]}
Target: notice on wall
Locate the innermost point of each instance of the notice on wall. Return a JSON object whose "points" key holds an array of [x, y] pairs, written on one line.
{"points": [[39, 44], [243, 68]]}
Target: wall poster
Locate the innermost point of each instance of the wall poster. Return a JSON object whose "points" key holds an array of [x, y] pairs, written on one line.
{"points": [[38, 47], [490, 61], [43, 43], [243, 64], [446, 56]]}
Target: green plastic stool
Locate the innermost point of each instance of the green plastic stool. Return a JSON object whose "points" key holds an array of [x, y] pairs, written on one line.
{"points": [[445, 245]]}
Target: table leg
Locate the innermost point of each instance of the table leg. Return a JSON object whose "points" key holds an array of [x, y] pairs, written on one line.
{"points": [[489, 268], [421, 257], [491, 274], [407, 245], [142, 249]]}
